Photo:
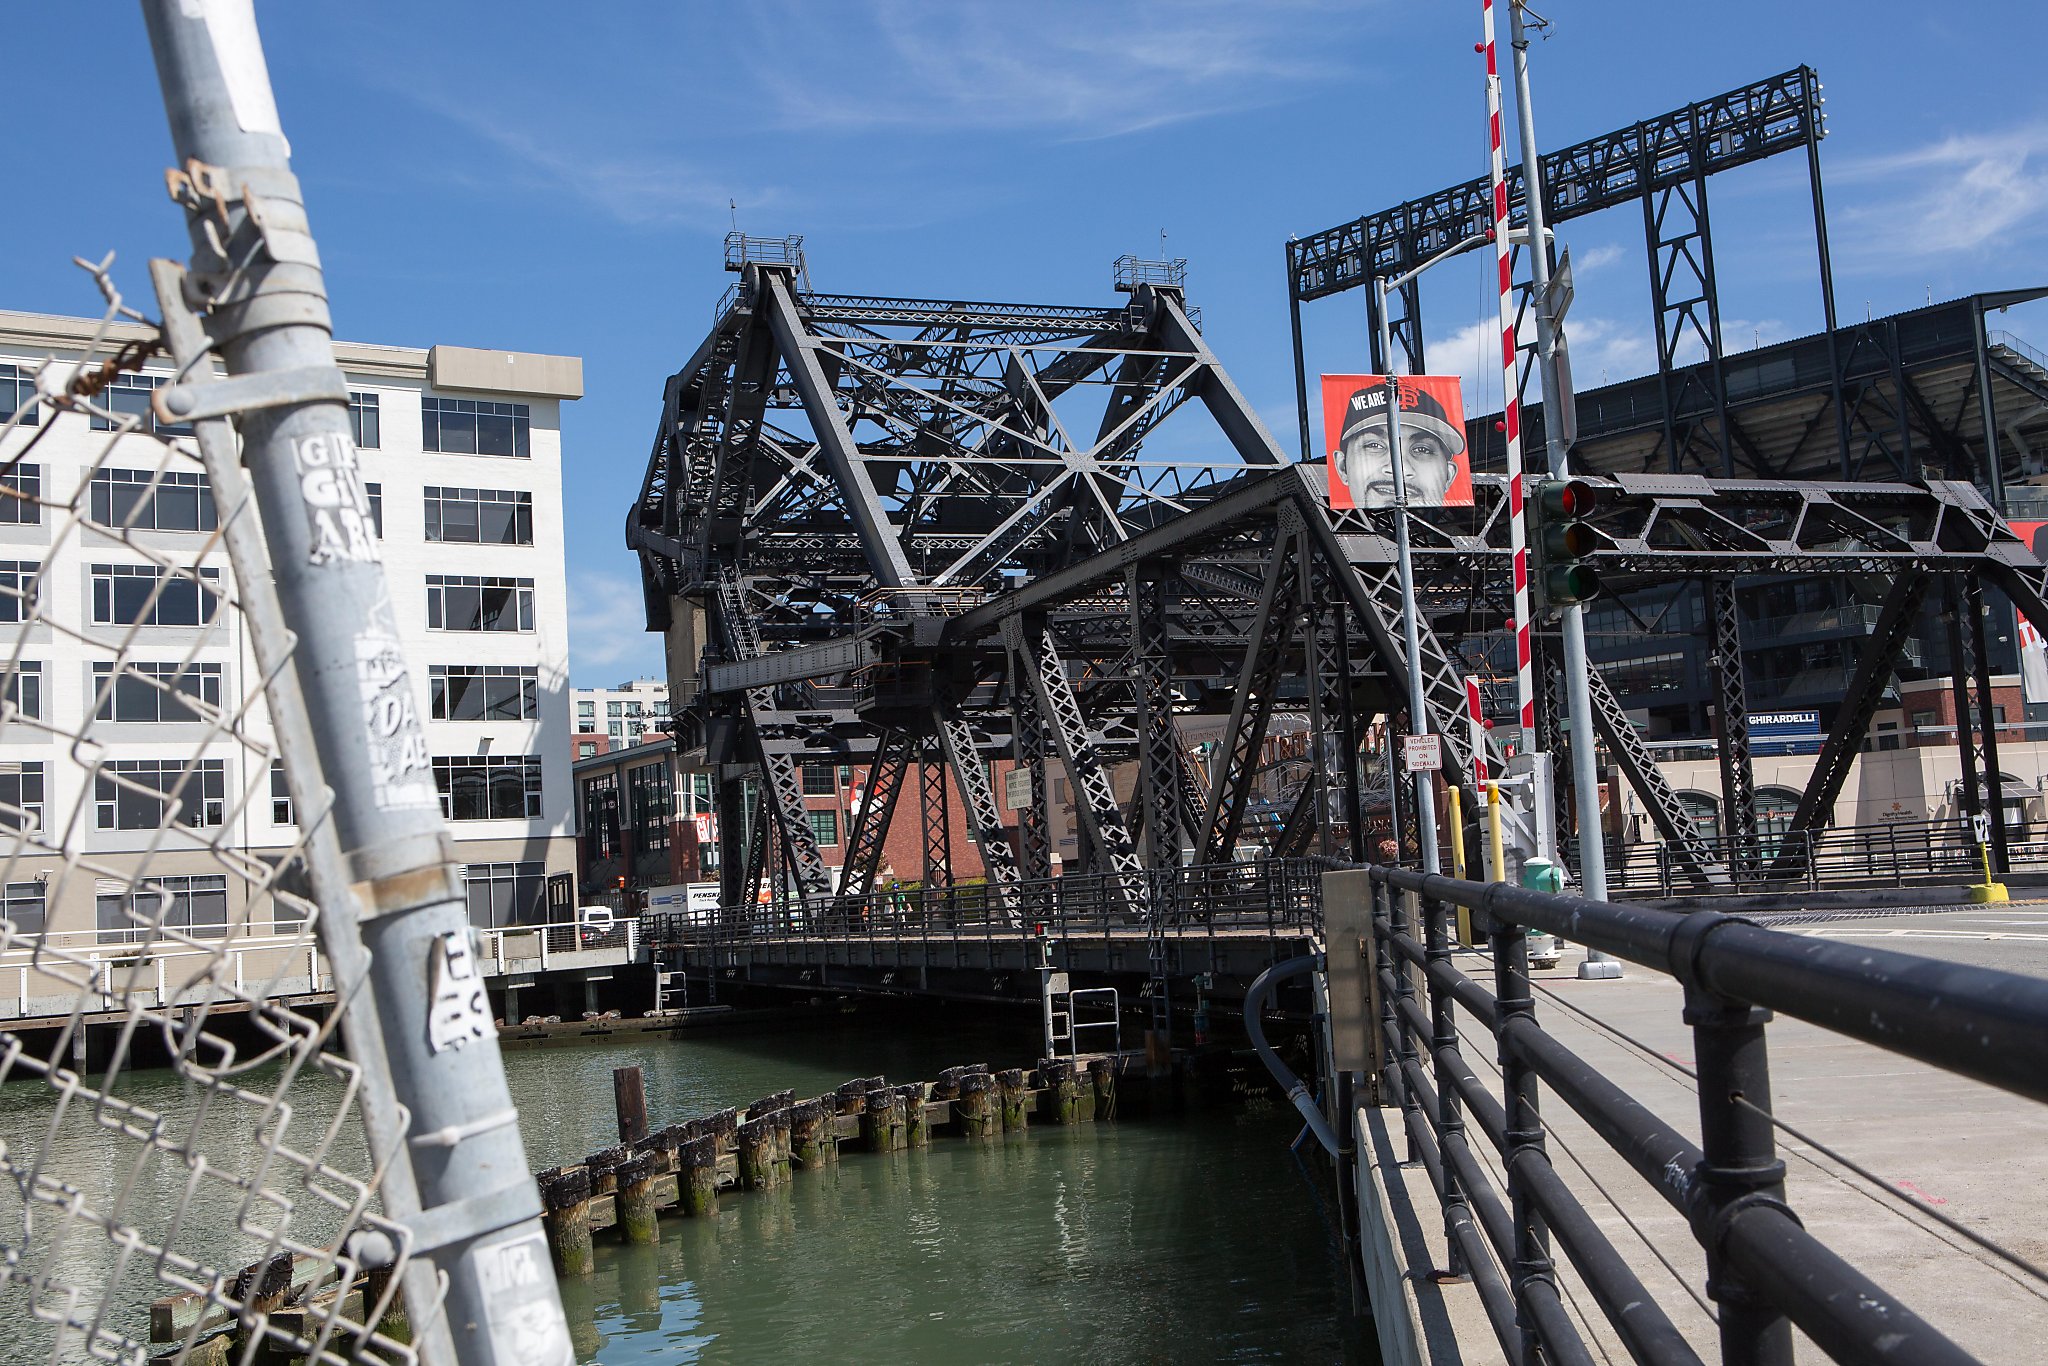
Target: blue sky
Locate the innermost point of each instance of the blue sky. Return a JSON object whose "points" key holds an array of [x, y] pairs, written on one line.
{"points": [[555, 177]]}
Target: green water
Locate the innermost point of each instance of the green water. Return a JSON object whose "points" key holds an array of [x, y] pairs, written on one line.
{"points": [[1186, 1239]]}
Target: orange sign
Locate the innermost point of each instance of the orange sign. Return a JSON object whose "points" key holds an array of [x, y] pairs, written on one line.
{"points": [[1434, 462]]}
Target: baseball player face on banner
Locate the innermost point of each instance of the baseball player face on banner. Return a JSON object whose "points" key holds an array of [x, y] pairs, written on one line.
{"points": [[1433, 458]]}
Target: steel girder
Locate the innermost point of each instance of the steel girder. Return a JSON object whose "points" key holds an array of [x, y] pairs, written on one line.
{"points": [[1974, 611], [1163, 768], [1731, 719], [868, 839]]}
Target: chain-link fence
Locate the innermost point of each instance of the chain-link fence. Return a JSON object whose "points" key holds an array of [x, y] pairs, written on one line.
{"points": [[215, 855]]}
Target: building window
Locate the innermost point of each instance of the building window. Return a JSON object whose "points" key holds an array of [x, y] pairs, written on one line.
{"points": [[156, 692], [364, 424], [18, 589], [506, 893], [22, 905], [21, 796], [137, 794], [17, 396], [280, 795], [1922, 720], [128, 396], [651, 796], [818, 781], [127, 595], [483, 692], [586, 710], [153, 500], [617, 730], [460, 426], [196, 905], [601, 817], [615, 709], [467, 602], [824, 828], [24, 687], [480, 516], [487, 787], [21, 491], [587, 750], [376, 493]]}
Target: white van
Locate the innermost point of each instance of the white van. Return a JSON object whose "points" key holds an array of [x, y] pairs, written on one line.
{"points": [[594, 924]]}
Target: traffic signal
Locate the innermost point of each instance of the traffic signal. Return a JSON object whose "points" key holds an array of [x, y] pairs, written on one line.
{"points": [[1561, 539]]}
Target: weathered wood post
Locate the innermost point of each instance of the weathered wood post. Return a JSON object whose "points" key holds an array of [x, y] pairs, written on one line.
{"points": [[629, 1098], [852, 1098], [779, 1121], [721, 1127], [1011, 1089], [916, 1132], [881, 1121], [697, 1176], [565, 1217], [1061, 1101], [756, 1139], [975, 1111], [635, 1214], [808, 1137], [1102, 1078], [602, 1165]]}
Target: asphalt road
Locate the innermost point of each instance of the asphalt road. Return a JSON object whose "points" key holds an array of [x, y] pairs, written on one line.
{"points": [[2012, 937]]}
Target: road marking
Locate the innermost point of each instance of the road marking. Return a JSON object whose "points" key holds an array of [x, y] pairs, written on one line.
{"points": [[1911, 1189]]}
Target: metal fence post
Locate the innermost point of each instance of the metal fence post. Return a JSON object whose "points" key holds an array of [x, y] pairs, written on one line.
{"points": [[1740, 1164], [1513, 999], [1436, 930], [256, 273]]}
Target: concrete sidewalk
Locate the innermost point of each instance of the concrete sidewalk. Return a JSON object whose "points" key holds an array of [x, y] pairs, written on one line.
{"points": [[1976, 1154]]}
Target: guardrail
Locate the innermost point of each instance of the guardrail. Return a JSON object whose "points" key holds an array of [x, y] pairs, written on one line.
{"points": [[1764, 1270], [505, 945], [1896, 854], [1274, 895]]}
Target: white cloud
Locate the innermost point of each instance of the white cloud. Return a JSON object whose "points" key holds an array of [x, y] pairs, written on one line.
{"points": [[1964, 195], [1596, 258], [608, 626], [1080, 70], [1602, 352]]}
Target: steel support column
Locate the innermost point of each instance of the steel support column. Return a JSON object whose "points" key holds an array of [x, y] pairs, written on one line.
{"points": [[1731, 718], [1987, 720], [1095, 806], [1258, 682], [1160, 770], [1874, 666]]}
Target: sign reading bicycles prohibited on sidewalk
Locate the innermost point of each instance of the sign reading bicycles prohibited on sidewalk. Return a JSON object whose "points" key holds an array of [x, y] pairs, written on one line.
{"points": [[1421, 753]]}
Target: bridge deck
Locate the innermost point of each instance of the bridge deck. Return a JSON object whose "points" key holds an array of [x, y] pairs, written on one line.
{"points": [[1976, 1154]]}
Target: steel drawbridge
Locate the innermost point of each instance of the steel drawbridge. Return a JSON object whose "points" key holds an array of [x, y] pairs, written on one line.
{"points": [[920, 535]]}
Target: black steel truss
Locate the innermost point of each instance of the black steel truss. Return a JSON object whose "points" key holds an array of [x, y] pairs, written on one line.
{"points": [[903, 554]]}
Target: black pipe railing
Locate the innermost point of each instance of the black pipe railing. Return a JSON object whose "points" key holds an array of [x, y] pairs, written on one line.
{"points": [[1765, 1272], [1281, 897]]}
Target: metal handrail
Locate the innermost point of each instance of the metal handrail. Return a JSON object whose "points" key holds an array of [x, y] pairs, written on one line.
{"points": [[1765, 1269]]}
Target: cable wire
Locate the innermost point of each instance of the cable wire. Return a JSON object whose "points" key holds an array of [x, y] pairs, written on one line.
{"points": [[1904, 1199]]}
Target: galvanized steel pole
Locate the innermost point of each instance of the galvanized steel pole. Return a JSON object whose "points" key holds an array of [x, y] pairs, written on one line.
{"points": [[1411, 636], [1578, 693], [257, 275]]}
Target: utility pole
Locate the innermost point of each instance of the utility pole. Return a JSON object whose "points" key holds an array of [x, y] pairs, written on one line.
{"points": [[1578, 694]]}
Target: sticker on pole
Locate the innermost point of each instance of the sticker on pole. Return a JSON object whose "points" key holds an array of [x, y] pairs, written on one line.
{"points": [[1421, 753], [459, 1011], [338, 518], [521, 1304], [401, 770]]}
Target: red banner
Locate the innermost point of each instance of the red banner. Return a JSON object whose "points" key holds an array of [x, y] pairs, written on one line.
{"points": [[1434, 462]]}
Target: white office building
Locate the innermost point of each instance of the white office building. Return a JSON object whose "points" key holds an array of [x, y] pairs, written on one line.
{"points": [[612, 718], [461, 451]]}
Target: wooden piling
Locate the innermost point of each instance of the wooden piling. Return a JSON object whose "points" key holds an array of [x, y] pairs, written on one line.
{"points": [[565, 1218], [756, 1140], [629, 1098], [1061, 1101], [916, 1131], [1102, 1078], [1011, 1093], [851, 1098], [882, 1120], [780, 1122], [635, 1216], [602, 1165], [808, 1136], [975, 1113], [697, 1177]]}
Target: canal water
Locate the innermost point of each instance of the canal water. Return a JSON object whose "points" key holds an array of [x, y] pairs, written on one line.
{"points": [[1194, 1238]]}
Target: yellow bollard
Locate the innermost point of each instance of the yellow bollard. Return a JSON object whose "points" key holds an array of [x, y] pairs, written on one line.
{"points": [[1493, 840], [1458, 862]]}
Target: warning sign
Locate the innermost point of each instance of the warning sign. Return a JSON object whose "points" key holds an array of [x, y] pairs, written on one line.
{"points": [[1422, 753]]}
